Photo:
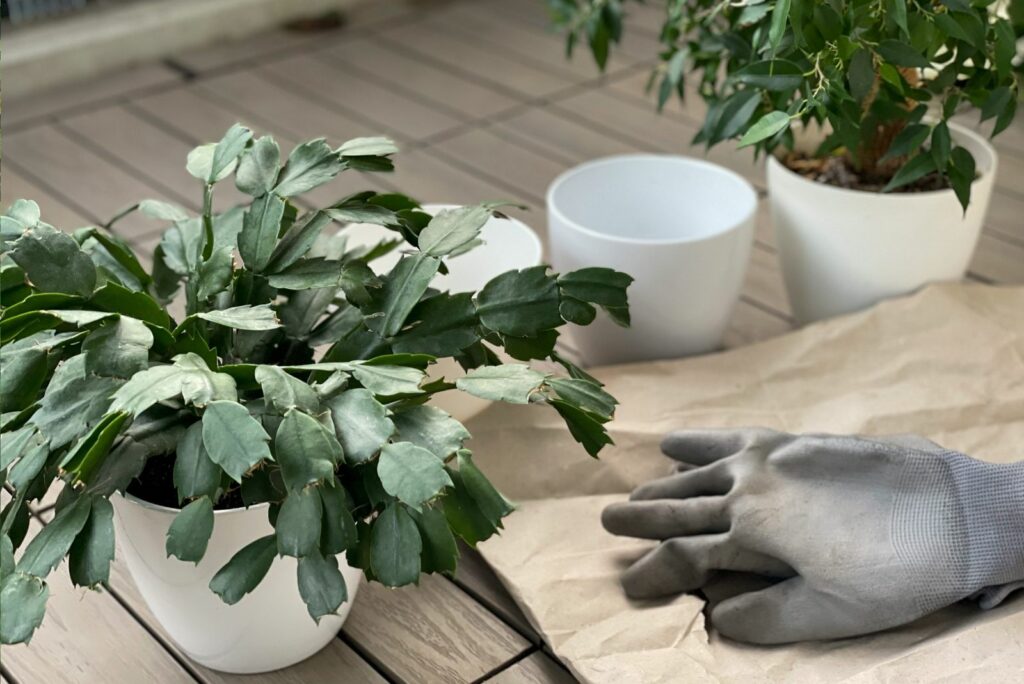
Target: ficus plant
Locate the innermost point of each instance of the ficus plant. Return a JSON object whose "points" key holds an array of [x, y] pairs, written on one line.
{"points": [[297, 377], [885, 76]]}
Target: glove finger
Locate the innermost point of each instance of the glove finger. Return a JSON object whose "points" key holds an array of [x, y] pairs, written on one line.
{"points": [[701, 447], [713, 480], [790, 611], [688, 563], [667, 518]]}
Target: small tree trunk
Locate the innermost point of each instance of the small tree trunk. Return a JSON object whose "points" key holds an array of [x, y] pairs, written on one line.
{"points": [[877, 136]]}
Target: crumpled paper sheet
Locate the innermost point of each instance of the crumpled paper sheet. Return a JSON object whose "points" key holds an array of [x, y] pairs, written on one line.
{"points": [[946, 363]]}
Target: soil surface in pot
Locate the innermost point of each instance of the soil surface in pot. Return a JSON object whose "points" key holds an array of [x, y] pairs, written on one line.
{"points": [[156, 485], [836, 170]]}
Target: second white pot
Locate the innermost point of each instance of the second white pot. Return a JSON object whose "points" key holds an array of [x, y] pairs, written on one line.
{"points": [[267, 630], [843, 250]]}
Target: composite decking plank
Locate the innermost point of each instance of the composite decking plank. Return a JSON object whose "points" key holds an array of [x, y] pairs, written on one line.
{"points": [[538, 668], [14, 186], [475, 61], [41, 108], [381, 109], [476, 577], [87, 636], [431, 633], [466, 99]]}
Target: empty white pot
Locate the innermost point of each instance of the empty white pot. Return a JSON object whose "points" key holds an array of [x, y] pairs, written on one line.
{"points": [[267, 630], [682, 227], [843, 250]]}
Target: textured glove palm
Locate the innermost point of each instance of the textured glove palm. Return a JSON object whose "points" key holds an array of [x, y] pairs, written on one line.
{"points": [[866, 533]]}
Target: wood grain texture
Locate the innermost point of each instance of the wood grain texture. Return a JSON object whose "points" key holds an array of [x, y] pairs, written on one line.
{"points": [[538, 668], [477, 578], [87, 637], [431, 633]]}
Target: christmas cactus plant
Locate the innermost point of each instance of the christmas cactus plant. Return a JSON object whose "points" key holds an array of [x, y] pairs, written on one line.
{"points": [[297, 377], [884, 75]]}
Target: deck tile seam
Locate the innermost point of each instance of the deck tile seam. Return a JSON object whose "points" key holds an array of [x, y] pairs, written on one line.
{"points": [[51, 189], [511, 662]]}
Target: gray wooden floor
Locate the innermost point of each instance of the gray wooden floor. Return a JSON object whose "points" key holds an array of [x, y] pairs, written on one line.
{"points": [[485, 106]]}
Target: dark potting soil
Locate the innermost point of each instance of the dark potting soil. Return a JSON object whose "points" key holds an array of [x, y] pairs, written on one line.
{"points": [[156, 485], [836, 170]]}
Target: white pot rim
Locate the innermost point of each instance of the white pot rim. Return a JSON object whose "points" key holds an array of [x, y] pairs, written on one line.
{"points": [[711, 167], [927, 196], [174, 511]]}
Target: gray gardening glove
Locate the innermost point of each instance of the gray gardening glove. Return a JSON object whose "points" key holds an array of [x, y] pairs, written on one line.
{"points": [[866, 533]]}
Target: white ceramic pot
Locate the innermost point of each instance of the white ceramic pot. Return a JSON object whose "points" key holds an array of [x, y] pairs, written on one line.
{"points": [[682, 227], [843, 250], [508, 244], [267, 630]]}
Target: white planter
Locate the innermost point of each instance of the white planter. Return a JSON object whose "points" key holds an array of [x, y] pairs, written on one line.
{"points": [[843, 250], [682, 227], [267, 630]]}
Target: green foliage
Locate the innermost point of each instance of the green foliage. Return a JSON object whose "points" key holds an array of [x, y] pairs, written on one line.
{"points": [[298, 377], [864, 69]]}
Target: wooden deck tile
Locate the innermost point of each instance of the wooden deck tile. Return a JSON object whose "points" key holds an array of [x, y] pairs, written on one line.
{"points": [[54, 211], [89, 637], [431, 633], [538, 668], [475, 61], [39, 108], [463, 98], [382, 110], [476, 577]]}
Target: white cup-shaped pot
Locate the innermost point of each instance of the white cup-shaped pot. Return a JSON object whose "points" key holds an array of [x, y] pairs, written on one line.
{"points": [[682, 227], [843, 250], [508, 244], [267, 630]]}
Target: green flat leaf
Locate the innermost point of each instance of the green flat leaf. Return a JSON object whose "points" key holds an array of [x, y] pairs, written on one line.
{"points": [[901, 54], [403, 289], [260, 229], [584, 426], [575, 311], [604, 287], [48, 548], [445, 324], [14, 445], [395, 547], [361, 424], [54, 262], [1005, 47], [735, 114], [298, 241], [584, 394], [195, 473], [70, 405], [27, 467], [513, 383], [780, 17], [284, 391], [258, 167], [961, 174], [431, 428], [23, 369], [776, 75], [488, 500], [368, 147], [412, 474], [91, 451], [907, 141], [215, 273], [93, 548], [861, 74], [463, 515], [318, 272], [190, 531], [452, 230], [306, 450], [119, 348], [245, 570], [918, 167], [898, 10], [119, 299], [389, 380], [244, 317], [24, 600], [941, 145], [440, 554], [199, 384], [338, 527], [156, 432], [24, 211], [309, 165], [520, 303], [299, 523], [321, 585], [181, 246], [233, 439], [213, 162], [6, 557], [162, 211], [121, 253], [768, 125]]}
